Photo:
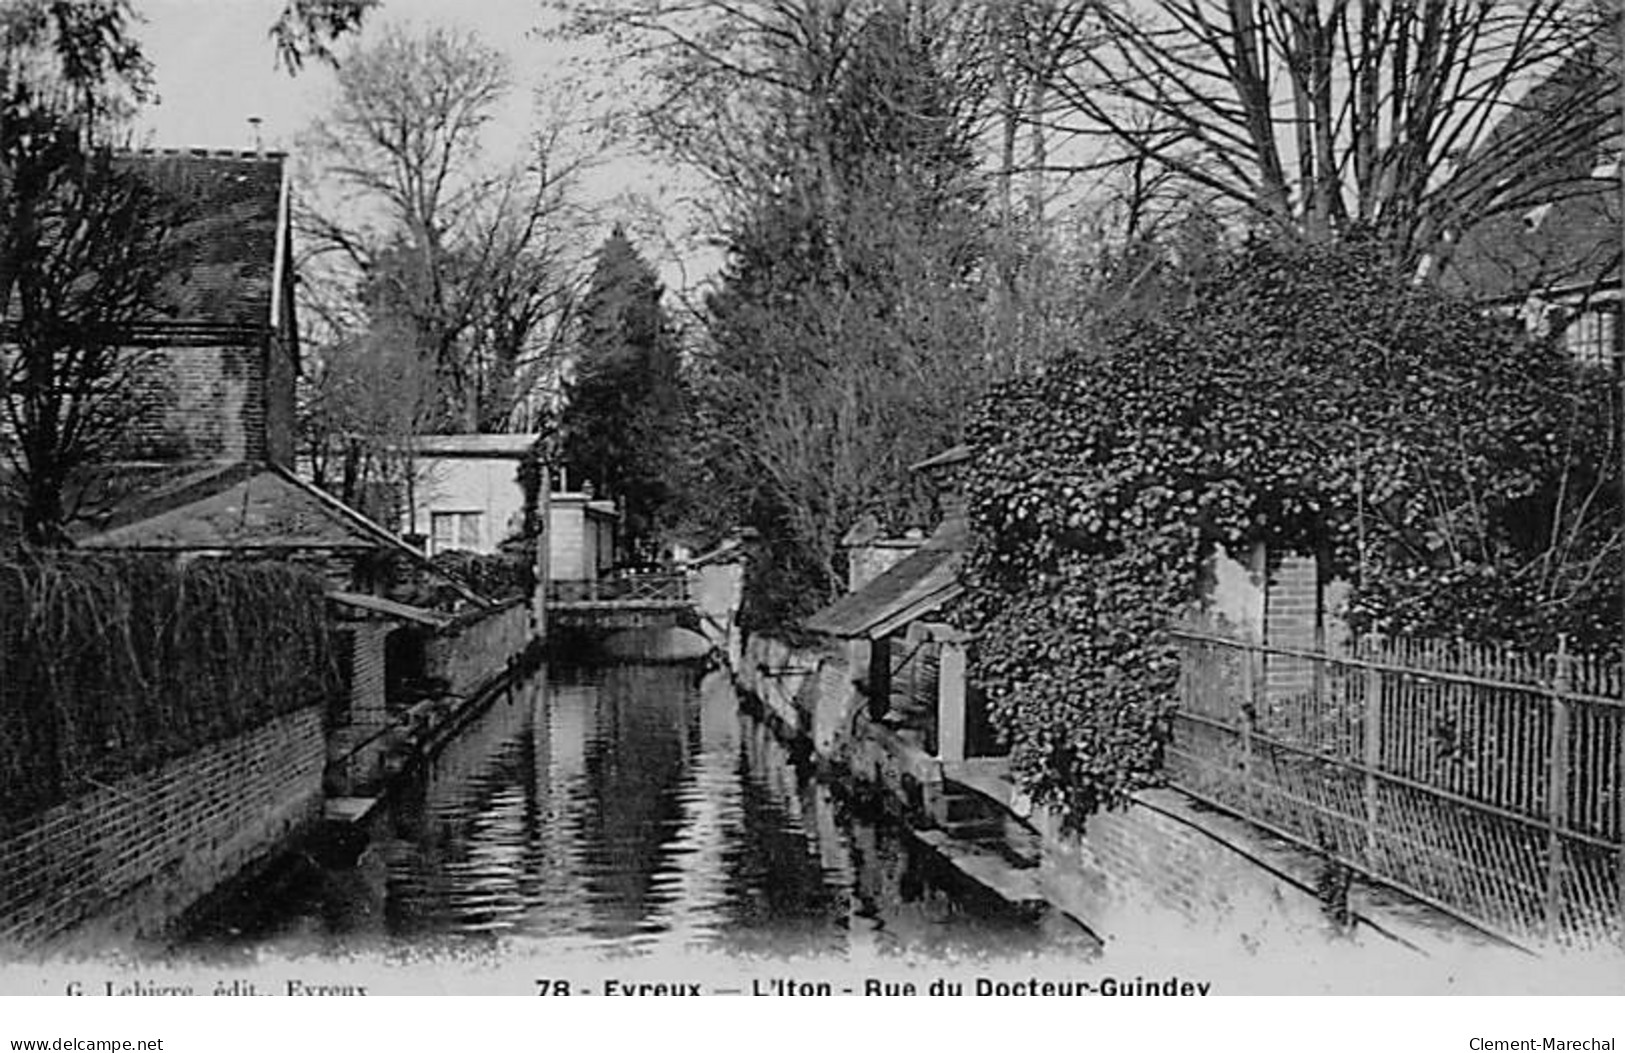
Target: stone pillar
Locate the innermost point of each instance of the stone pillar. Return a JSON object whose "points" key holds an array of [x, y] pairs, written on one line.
{"points": [[951, 662], [1291, 620], [879, 677], [368, 709], [543, 541], [357, 742]]}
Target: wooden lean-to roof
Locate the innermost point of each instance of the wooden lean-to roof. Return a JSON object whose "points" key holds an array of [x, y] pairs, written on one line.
{"points": [[909, 590], [361, 605]]}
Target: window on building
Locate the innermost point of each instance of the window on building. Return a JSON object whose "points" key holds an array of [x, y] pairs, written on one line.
{"points": [[1591, 337], [449, 530], [442, 528], [468, 530]]}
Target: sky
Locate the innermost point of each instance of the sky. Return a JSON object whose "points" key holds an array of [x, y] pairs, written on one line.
{"points": [[214, 65]]}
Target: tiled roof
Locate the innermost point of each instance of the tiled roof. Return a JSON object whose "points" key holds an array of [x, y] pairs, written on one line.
{"points": [[249, 507], [953, 455], [1559, 227], [245, 507], [730, 551], [109, 495], [912, 588], [1570, 244], [229, 219], [121, 493], [475, 445]]}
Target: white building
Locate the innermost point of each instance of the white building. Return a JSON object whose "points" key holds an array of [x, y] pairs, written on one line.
{"points": [[582, 536], [468, 495]]}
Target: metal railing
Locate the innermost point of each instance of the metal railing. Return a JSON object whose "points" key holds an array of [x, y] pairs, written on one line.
{"points": [[652, 589], [1489, 782]]}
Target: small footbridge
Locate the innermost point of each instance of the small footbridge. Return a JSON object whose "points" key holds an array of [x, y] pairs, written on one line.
{"points": [[625, 601]]}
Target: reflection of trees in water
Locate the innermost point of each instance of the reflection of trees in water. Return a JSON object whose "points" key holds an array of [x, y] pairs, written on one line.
{"points": [[466, 771], [635, 762], [780, 897], [458, 861], [626, 803]]}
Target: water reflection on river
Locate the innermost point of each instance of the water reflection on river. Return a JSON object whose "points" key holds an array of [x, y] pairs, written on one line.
{"points": [[633, 809]]}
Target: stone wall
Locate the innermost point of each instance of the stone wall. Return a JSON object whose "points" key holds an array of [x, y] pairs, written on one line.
{"points": [[809, 690], [471, 651], [1162, 865], [127, 858], [567, 540], [1276, 599], [368, 666], [355, 745], [717, 590]]}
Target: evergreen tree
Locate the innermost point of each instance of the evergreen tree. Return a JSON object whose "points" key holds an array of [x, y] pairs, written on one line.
{"points": [[622, 421], [846, 330]]}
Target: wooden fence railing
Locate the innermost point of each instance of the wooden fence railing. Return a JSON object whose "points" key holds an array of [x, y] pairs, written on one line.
{"points": [[1488, 782]]}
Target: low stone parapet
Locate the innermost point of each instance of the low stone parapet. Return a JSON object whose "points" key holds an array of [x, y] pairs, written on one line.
{"points": [[473, 650]]}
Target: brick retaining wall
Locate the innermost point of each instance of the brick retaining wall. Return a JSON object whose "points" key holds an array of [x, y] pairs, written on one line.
{"points": [[1163, 862], [1292, 605], [124, 860], [1164, 869]]}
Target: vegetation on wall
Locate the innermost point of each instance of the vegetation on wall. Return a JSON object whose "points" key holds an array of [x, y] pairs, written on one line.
{"points": [[1312, 399], [113, 665], [506, 575]]}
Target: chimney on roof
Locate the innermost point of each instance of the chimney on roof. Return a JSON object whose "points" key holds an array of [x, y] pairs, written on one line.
{"points": [[259, 147]]}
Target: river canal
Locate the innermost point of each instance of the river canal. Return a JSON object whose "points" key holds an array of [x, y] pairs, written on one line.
{"points": [[628, 809]]}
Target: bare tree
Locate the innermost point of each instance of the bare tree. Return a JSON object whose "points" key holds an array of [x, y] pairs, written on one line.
{"points": [[362, 404], [470, 262], [1319, 117], [83, 251]]}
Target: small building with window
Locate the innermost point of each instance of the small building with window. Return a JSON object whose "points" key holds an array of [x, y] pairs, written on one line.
{"points": [[467, 495], [583, 534]]}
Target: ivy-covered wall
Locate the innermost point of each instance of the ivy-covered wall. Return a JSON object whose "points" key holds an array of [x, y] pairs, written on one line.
{"points": [[1458, 475], [111, 666]]}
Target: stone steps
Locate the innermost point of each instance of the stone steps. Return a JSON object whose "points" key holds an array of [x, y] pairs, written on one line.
{"points": [[1017, 886], [972, 818]]}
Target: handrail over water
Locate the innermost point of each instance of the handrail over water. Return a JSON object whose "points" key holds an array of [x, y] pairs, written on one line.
{"points": [[631, 589]]}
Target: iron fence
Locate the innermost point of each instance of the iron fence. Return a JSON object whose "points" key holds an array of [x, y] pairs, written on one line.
{"points": [[1488, 782], [630, 589]]}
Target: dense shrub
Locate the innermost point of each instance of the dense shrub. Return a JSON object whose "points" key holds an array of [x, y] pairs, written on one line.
{"points": [[1455, 472], [112, 665], [505, 575]]}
